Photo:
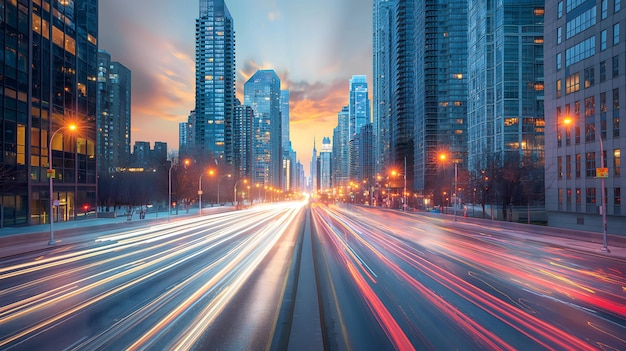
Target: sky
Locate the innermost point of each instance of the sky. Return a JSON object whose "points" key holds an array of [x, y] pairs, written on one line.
{"points": [[315, 47]]}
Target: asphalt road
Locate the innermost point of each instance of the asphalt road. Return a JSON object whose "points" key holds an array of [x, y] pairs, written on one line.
{"points": [[211, 282], [391, 280], [338, 278]]}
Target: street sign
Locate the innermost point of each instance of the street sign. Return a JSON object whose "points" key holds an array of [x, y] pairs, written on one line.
{"points": [[602, 172]]}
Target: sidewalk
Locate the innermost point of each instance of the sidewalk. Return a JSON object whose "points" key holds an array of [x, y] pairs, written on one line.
{"points": [[575, 239], [16, 240]]}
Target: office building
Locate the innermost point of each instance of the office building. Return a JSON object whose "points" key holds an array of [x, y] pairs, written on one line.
{"points": [[48, 81], [440, 90], [341, 149], [243, 143], [114, 115], [585, 84], [325, 174], [262, 93], [215, 82], [359, 115]]}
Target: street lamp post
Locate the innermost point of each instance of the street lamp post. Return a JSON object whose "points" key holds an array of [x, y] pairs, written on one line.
{"points": [[200, 192], [235, 189], [50, 177], [218, 187], [453, 194], [405, 206], [605, 247], [169, 191]]}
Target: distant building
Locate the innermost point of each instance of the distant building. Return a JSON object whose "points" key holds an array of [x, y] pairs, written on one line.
{"points": [[185, 136], [49, 70], [341, 149], [262, 93], [243, 128], [325, 175], [148, 159], [215, 81], [313, 169], [114, 114], [359, 115]]}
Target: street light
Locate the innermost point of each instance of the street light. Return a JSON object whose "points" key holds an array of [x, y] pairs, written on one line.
{"points": [[169, 191], [211, 172], [235, 189], [443, 158], [218, 186], [567, 121], [51, 175]]}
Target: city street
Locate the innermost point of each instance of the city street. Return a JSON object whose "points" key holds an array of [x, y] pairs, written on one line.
{"points": [[345, 278]]}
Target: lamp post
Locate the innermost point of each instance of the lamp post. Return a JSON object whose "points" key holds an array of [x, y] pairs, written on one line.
{"points": [[454, 194], [235, 189], [169, 191], [218, 187], [567, 121], [50, 172], [405, 206], [200, 192]]}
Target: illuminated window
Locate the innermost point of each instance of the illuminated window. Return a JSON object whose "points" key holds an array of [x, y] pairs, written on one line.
{"points": [[539, 11], [572, 83]]}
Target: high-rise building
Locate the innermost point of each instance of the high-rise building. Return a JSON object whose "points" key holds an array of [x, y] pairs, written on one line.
{"points": [[284, 111], [440, 90], [313, 169], [243, 143], [367, 169], [186, 143], [215, 81], [585, 84], [113, 110], [341, 149], [383, 94], [395, 85], [326, 165], [262, 93], [359, 115], [506, 85], [48, 81]]}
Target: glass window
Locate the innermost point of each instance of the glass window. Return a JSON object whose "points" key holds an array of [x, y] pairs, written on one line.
{"points": [[559, 35], [559, 61], [589, 77], [590, 164], [605, 8], [578, 165], [615, 66], [617, 162], [618, 5], [616, 34], [602, 71], [568, 166], [603, 40], [560, 9], [591, 196]]}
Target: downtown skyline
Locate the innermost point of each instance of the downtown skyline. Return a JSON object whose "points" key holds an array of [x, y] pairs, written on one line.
{"points": [[314, 65]]}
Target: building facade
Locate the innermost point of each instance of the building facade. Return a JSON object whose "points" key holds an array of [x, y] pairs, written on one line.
{"points": [[359, 115], [215, 82], [49, 82], [325, 174], [341, 149], [440, 89], [262, 94], [585, 80], [114, 115], [243, 144]]}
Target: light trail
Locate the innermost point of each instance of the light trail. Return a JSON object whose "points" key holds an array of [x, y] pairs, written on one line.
{"points": [[224, 250]]}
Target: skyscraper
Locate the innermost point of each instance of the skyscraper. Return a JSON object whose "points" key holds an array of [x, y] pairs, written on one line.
{"points": [[394, 86], [506, 83], [215, 81], [48, 81], [359, 115], [440, 90], [341, 149], [325, 175], [244, 140], [585, 80], [113, 109], [262, 93]]}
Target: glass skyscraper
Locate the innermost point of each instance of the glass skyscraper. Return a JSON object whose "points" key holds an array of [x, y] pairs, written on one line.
{"points": [[215, 82], [359, 115], [440, 90], [262, 93], [48, 76], [506, 84]]}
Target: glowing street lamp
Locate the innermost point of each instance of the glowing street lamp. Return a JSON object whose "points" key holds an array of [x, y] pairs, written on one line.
{"points": [[443, 157], [210, 172], [567, 121], [51, 175], [245, 181]]}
